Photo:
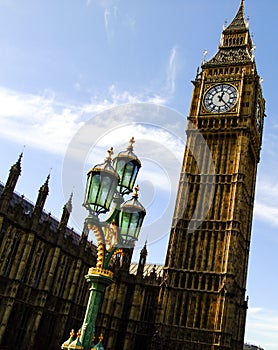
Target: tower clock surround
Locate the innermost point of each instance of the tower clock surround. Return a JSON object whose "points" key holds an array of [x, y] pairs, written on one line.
{"points": [[220, 98]]}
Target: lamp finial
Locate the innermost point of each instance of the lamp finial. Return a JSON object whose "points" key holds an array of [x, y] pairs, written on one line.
{"points": [[135, 193], [109, 155], [131, 142]]}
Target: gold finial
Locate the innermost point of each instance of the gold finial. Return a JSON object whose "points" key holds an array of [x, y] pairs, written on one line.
{"points": [[21, 154], [78, 334], [93, 338], [100, 338], [72, 333], [204, 56], [131, 142], [135, 193], [109, 155]]}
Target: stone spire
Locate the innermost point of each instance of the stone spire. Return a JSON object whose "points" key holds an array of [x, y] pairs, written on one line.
{"points": [[236, 46], [142, 260], [14, 174], [43, 192], [11, 182], [239, 22], [84, 235], [65, 215]]}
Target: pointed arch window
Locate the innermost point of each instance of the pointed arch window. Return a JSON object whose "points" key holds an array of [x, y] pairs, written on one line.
{"points": [[10, 255], [40, 267], [27, 269], [64, 277], [17, 326], [203, 283], [2, 235], [148, 308]]}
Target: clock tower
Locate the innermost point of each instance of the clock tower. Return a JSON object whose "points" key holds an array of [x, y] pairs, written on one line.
{"points": [[203, 301]]}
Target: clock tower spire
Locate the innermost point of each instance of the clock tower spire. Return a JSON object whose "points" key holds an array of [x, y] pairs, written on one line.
{"points": [[203, 299]]}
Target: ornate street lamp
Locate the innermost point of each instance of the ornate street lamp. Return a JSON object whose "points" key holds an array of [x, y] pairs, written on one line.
{"points": [[106, 186]]}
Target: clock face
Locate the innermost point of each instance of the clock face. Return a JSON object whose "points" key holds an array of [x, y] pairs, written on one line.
{"points": [[220, 98]]}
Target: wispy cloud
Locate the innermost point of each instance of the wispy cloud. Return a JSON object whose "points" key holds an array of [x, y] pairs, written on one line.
{"points": [[266, 204], [79, 131], [106, 19], [262, 328], [130, 22], [43, 121], [110, 15], [267, 213], [171, 71], [114, 17], [102, 3], [36, 120]]}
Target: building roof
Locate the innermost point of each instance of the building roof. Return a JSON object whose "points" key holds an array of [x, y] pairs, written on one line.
{"points": [[239, 22], [251, 347], [28, 207], [233, 49], [148, 269]]}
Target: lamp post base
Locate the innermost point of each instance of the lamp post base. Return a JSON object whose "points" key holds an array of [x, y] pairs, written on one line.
{"points": [[99, 279]]}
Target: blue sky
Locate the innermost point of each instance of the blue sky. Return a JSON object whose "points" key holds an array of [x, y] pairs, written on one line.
{"points": [[95, 71]]}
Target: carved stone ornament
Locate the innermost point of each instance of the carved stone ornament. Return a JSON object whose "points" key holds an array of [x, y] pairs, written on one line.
{"points": [[232, 55]]}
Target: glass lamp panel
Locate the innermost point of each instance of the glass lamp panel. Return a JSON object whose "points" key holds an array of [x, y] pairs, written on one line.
{"points": [[110, 194], [130, 224], [108, 186], [133, 227], [127, 171], [91, 193], [120, 164], [134, 175], [94, 189], [127, 175], [102, 199], [87, 191], [124, 225], [100, 189]]}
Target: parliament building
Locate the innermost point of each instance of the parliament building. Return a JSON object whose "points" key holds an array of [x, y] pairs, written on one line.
{"points": [[197, 300]]}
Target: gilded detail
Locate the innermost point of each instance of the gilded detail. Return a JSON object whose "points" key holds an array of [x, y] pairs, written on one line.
{"points": [[98, 271]]}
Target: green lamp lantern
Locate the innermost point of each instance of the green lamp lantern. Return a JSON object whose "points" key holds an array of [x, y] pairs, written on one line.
{"points": [[131, 218], [102, 181], [127, 166]]}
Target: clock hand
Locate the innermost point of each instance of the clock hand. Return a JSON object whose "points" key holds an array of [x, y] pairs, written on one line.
{"points": [[220, 97], [226, 103]]}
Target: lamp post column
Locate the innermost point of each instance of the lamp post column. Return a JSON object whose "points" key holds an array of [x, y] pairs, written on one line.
{"points": [[98, 285]]}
